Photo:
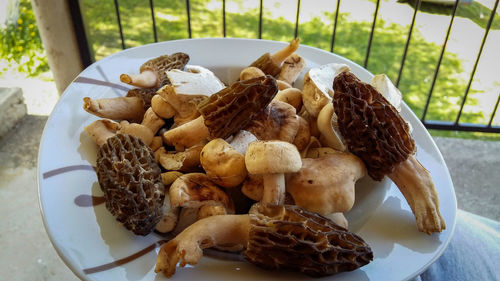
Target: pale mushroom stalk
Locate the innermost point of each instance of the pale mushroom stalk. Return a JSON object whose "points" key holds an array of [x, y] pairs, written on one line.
{"points": [[274, 189], [152, 121], [145, 79], [161, 107], [417, 186], [282, 54], [211, 231], [119, 108]]}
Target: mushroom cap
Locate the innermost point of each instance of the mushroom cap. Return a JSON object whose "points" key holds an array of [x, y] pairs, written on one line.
{"points": [[385, 86], [272, 157], [326, 185], [146, 94], [371, 126], [195, 190], [230, 109], [195, 80], [328, 127], [130, 179], [223, 164], [277, 121], [289, 237], [317, 90]]}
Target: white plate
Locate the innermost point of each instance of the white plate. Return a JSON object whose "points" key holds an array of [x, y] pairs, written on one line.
{"points": [[87, 237]]}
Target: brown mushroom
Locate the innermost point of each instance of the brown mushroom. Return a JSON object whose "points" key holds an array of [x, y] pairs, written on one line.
{"points": [[145, 94], [152, 72], [232, 108], [119, 108], [223, 164], [272, 159], [326, 185], [130, 179], [271, 64], [274, 237], [277, 121], [375, 132]]}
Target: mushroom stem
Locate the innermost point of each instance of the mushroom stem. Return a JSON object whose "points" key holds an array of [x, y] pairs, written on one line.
{"points": [[282, 54], [119, 108], [208, 232], [146, 79], [416, 184], [274, 189]]}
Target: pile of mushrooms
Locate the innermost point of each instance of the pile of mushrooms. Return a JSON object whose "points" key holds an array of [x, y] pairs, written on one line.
{"points": [[223, 148]]}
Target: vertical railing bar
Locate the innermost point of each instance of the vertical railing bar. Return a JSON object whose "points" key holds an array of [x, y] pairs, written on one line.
{"points": [[371, 34], [81, 34], [261, 6], [297, 20], [151, 5], [494, 112], [436, 72], [224, 18], [417, 6], [488, 26], [117, 10], [334, 33], [188, 12]]}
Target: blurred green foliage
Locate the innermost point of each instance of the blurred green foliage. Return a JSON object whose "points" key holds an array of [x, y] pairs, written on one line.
{"points": [[21, 47]]}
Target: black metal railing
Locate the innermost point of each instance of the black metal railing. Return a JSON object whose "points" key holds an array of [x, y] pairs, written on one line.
{"points": [[455, 125]]}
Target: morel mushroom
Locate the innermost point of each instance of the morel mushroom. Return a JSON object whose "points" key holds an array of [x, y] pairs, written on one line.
{"points": [[232, 108], [274, 237], [375, 132], [153, 72], [271, 64], [130, 179]]}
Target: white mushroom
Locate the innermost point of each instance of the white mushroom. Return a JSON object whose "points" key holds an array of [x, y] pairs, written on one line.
{"points": [[318, 86], [223, 164], [272, 159], [119, 108], [292, 66], [101, 130]]}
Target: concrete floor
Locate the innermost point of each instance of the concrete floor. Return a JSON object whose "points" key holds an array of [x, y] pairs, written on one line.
{"points": [[27, 253]]}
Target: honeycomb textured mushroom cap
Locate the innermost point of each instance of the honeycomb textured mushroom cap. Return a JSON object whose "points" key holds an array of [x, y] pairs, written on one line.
{"points": [[146, 94], [230, 109], [162, 64], [131, 181], [289, 237], [372, 128]]}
